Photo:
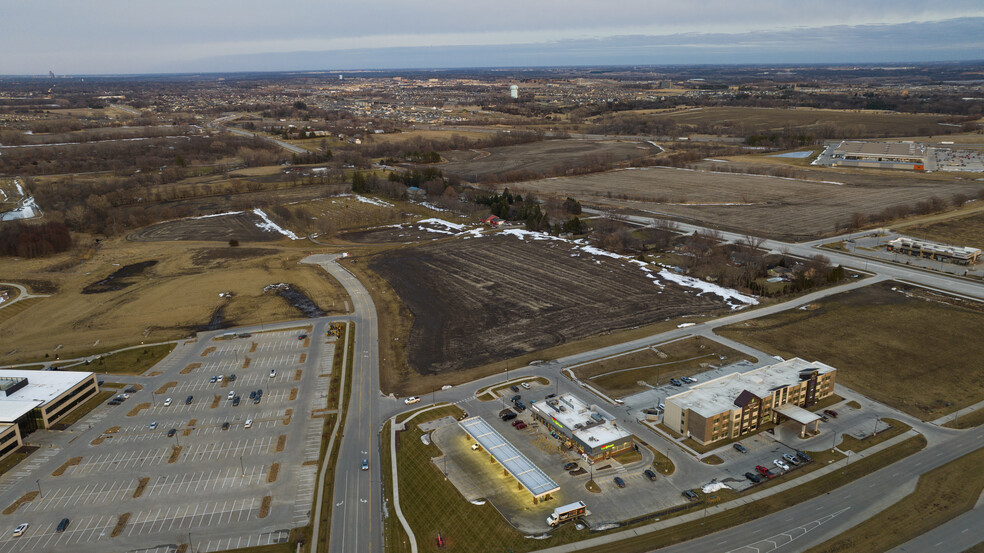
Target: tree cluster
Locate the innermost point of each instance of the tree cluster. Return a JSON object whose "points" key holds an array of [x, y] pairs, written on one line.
{"points": [[34, 240]]}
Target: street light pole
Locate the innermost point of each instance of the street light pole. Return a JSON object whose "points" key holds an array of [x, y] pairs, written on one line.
{"points": [[242, 465]]}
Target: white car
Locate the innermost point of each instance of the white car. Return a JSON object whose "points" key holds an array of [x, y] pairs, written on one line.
{"points": [[780, 464], [526, 385], [661, 407], [273, 373], [249, 423], [153, 425], [446, 387], [21, 528], [167, 402], [790, 459], [231, 395], [219, 378], [411, 400], [692, 379]]}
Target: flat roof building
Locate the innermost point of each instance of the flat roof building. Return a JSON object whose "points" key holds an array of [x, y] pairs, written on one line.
{"points": [[885, 155], [593, 432], [39, 399], [512, 460], [739, 403], [928, 249]]}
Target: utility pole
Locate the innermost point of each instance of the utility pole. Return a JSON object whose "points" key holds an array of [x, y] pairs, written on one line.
{"points": [[242, 465]]}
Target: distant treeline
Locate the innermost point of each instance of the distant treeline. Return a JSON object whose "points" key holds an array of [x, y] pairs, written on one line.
{"points": [[33, 240]]}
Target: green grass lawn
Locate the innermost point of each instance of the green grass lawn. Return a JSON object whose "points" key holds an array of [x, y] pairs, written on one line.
{"points": [[86, 407], [132, 361]]}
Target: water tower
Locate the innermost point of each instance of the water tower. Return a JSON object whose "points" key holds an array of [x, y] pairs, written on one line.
{"points": [[514, 92]]}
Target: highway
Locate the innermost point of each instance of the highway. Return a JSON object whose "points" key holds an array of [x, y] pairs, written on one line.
{"points": [[220, 124], [356, 517]]}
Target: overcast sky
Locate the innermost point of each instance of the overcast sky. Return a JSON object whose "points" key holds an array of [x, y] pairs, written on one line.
{"points": [[141, 36]]}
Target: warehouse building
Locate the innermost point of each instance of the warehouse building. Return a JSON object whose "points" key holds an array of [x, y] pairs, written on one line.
{"points": [[591, 431], [739, 403], [30, 400], [934, 250], [883, 155]]}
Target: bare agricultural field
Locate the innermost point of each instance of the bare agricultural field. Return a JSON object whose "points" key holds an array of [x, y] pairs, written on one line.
{"points": [[773, 206], [222, 228], [650, 367], [171, 299], [859, 123], [553, 156], [475, 301], [910, 348]]}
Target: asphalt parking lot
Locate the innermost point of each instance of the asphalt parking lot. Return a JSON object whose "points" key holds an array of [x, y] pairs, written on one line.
{"points": [[204, 480], [468, 469]]}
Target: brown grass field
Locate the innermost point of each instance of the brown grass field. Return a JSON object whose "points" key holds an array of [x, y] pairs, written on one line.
{"points": [[879, 340], [764, 205], [170, 300], [621, 376], [240, 226], [483, 300], [764, 120], [548, 155], [967, 230]]}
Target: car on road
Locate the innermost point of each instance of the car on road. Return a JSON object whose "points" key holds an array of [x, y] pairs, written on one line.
{"points": [[830, 412], [189, 399], [526, 385], [447, 387], [764, 471], [690, 495], [411, 400], [740, 448], [21, 528], [172, 432], [516, 398], [754, 478], [62, 526], [225, 425], [365, 464], [648, 473], [803, 456], [167, 402], [570, 466], [676, 382], [619, 482], [235, 401], [791, 459], [521, 425], [273, 373], [249, 423], [780, 464], [514, 388], [508, 416], [153, 425]]}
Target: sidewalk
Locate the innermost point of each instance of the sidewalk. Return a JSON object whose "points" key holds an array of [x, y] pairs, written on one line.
{"points": [[959, 413]]}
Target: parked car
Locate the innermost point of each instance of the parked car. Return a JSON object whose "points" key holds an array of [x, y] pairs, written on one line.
{"points": [[649, 474], [130, 390], [225, 425], [259, 392], [167, 402], [365, 464], [619, 482], [521, 425], [252, 394], [526, 385], [302, 336], [661, 406], [232, 377], [249, 423], [256, 399], [476, 447], [740, 448], [754, 478], [693, 379], [62, 526], [803, 456], [172, 432], [231, 395], [791, 459], [447, 387], [685, 379], [516, 398], [830, 412], [764, 471], [517, 421], [570, 466], [235, 401], [676, 382], [114, 401], [411, 400], [213, 379], [514, 388], [824, 418], [21, 528], [780, 464], [520, 406], [188, 400], [690, 495], [153, 425], [509, 416]]}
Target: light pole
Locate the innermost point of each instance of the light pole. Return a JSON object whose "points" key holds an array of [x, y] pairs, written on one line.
{"points": [[153, 398], [875, 431], [38, 482], [242, 465]]}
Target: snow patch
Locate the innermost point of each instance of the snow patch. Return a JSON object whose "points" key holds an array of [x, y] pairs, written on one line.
{"points": [[441, 223], [372, 201], [730, 295], [216, 215], [27, 209], [714, 487], [270, 226]]}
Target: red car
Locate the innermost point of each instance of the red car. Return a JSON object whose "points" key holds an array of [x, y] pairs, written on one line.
{"points": [[764, 471], [521, 425], [831, 412]]}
